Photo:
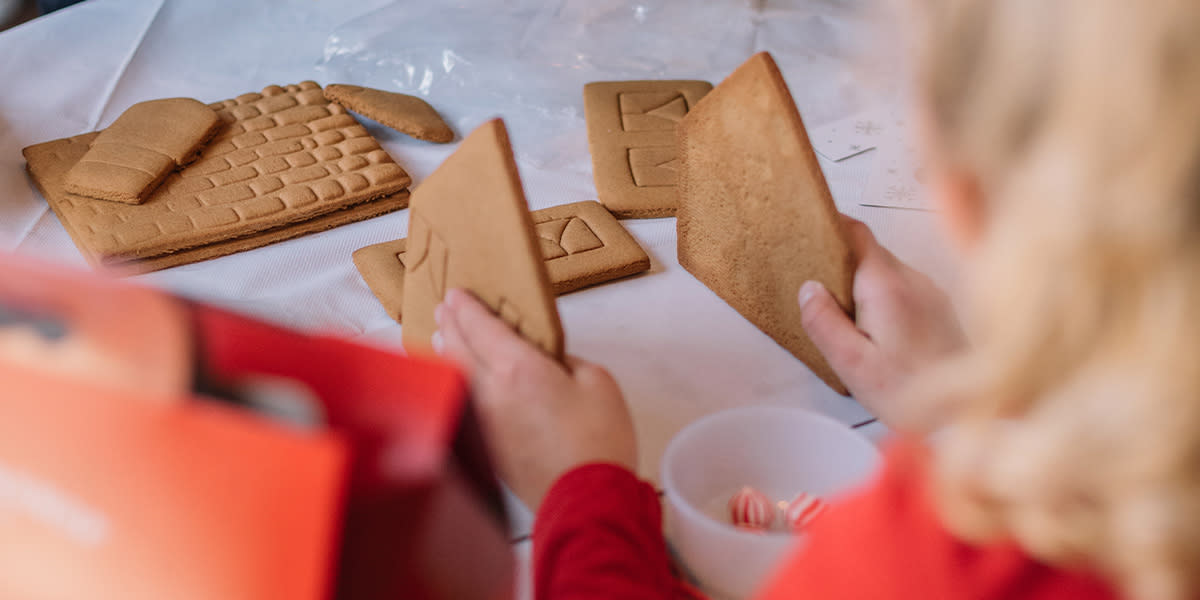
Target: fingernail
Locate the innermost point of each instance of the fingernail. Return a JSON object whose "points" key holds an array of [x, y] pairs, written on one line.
{"points": [[437, 313], [808, 290], [436, 341]]}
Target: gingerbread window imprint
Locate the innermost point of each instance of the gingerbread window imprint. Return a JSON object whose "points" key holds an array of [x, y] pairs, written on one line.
{"points": [[564, 237], [508, 312], [652, 111], [435, 259], [654, 167]]}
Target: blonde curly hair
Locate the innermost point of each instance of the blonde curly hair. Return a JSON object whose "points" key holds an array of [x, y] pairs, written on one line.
{"points": [[1074, 420]]}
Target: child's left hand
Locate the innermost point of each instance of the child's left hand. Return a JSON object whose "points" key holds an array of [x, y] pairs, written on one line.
{"points": [[542, 419]]}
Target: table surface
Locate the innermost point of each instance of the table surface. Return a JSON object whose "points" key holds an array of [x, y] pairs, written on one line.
{"points": [[678, 351]]}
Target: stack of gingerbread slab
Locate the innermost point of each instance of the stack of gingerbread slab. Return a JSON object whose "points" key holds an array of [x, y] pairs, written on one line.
{"points": [[285, 162]]}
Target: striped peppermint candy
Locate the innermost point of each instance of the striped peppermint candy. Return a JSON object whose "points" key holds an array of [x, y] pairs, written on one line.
{"points": [[802, 510], [751, 509]]}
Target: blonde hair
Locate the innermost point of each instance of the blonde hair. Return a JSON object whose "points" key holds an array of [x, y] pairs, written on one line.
{"points": [[1074, 419]]}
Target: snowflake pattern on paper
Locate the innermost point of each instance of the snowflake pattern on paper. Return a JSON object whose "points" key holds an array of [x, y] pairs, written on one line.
{"points": [[867, 127], [900, 193]]}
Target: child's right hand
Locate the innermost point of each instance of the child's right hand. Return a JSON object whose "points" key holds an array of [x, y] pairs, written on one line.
{"points": [[904, 323], [542, 418]]}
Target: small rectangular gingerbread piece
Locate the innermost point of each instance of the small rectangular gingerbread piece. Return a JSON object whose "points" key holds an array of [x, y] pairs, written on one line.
{"points": [[631, 133], [469, 227], [582, 244], [131, 157], [756, 218]]}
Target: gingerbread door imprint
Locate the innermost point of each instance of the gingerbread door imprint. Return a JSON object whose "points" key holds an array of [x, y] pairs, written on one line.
{"points": [[434, 259], [563, 237]]}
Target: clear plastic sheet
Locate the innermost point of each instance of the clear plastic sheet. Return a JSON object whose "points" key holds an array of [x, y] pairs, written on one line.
{"points": [[527, 60]]}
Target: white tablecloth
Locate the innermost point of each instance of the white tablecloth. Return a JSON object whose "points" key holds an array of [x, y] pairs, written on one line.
{"points": [[678, 351]]}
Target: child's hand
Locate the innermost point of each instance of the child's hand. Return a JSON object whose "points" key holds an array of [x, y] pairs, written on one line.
{"points": [[904, 323], [541, 419]]}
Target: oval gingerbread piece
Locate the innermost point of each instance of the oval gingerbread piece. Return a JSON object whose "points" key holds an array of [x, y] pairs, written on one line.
{"points": [[404, 113]]}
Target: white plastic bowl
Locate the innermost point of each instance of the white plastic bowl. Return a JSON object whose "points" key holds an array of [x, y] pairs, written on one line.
{"points": [[780, 451]]}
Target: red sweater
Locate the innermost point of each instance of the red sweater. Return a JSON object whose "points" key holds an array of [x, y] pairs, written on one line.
{"points": [[598, 535]]}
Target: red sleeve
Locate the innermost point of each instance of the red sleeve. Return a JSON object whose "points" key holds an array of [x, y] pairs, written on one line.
{"points": [[887, 542], [599, 535]]}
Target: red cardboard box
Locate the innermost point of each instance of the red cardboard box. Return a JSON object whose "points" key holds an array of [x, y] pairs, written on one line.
{"points": [[132, 467]]}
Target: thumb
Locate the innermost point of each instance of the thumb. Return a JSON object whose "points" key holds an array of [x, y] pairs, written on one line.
{"points": [[830, 328]]}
